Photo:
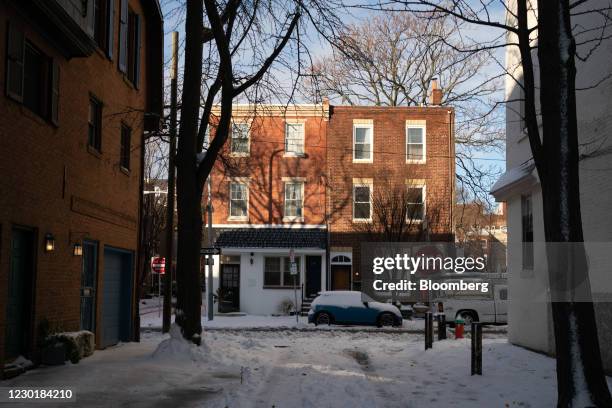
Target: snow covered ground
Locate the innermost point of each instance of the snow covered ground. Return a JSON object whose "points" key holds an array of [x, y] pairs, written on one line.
{"points": [[289, 368], [150, 318]]}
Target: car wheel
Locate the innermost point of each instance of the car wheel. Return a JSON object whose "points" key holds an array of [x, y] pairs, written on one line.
{"points": [[468, 318], [386, 320], [323, 318]]}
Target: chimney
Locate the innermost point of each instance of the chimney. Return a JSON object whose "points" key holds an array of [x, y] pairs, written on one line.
{"points": [[436, 93]]}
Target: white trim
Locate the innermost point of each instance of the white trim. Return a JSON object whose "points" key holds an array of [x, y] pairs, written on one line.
{"points": [[296, 218], [416, 126], [366, 124], [423, 187], [248, 152], [301, 123], [280, 226], [271, 251], [242, 181], [363, 183]]}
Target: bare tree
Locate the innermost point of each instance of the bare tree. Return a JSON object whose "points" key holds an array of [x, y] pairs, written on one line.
{"points": [[230, 49], [392, 60], [553, 136]]}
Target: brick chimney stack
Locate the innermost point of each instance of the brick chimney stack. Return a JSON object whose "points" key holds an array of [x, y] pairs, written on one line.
{"points": [[436, 92]]}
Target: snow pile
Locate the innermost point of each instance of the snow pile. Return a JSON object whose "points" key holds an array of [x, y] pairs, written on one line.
{"points": [[178, 349]]}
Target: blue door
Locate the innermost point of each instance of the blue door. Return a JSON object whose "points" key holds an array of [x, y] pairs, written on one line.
{"points": [[117, 296]]}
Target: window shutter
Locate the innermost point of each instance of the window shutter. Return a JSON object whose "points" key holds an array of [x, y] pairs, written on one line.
{"points": [[55, 81], [111, 29], [137, 51], [15, 56], [123, 36]]}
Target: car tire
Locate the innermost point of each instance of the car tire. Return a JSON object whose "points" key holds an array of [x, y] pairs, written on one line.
{"points": [[386, 320], [323, 318], [468, 318]]}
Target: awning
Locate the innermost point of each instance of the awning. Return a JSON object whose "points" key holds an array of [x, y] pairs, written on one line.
{"points": [[514, 181], [272, 238]]}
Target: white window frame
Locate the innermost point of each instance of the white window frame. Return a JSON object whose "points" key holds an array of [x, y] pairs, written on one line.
{"points": [[293, 180], [240, 154], [370, 185], [423, 159], [363, 125], [303, 134], [245, 183], [283, 265], [423, 188]]}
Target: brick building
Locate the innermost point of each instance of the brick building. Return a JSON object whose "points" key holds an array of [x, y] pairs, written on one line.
{"points": [[314, 180], [81, 84]]}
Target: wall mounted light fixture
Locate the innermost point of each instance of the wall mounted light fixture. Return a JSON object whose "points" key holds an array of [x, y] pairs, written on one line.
{"points": [[77, 249], [49, 242]]}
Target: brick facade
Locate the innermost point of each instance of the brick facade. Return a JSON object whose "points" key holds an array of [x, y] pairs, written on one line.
{"points": [[329, 171], [53, 183]]}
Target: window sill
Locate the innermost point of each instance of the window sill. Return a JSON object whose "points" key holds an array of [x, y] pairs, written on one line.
{"points": [[240, 154], [293, 219], [296, 155], [417, 221], [128, 82], [416, 161], [522, 136], [124, 170], [94, 151], [362, 220], [368, 161], [239, 219]]}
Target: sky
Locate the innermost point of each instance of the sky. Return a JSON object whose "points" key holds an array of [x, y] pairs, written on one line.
{"points": [[318, 46]]}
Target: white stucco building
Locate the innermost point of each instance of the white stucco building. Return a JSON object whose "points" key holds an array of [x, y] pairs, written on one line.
{"points": [[530, 320]]}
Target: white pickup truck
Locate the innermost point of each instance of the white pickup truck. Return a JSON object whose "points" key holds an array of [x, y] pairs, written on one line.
{"points": [[471, 308]]}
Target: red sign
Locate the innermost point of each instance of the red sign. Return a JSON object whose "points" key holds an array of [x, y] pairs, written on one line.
{"points": [[158, 265]]}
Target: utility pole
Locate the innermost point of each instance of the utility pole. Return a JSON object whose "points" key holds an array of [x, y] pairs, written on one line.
{"points": [[170, 195], [209, 260]]}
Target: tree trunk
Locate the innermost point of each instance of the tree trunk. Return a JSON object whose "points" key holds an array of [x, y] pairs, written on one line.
{"points": [[188, 190], [580, 377]]}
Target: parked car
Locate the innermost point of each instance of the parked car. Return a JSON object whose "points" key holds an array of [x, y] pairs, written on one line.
{"points": [[483, 309], [349, 307]]}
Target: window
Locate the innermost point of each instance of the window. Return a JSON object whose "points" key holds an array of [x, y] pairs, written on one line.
{"points": [[294, 200], [415, 203], [362, 205], [362, 143], [527, 231], [239, 201], [277, 271], [294, 139], [94, 137], [503, 294], [104, 11], [240, 139], [126, 136], [129, 43], [32, 78], [415, 144]]}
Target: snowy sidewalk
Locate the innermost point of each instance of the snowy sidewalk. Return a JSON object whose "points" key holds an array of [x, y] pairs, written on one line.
{"points": [[298, 369]]}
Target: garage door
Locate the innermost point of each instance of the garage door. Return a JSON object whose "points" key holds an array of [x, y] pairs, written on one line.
{"points": [[117, 294]]}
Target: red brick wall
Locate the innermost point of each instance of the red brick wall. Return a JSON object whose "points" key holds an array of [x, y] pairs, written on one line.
{"points": [[266, 166], [389, 168], [46, 170]]}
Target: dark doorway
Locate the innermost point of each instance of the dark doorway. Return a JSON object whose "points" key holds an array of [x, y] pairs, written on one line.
{"points": [[341, 277], [20, 301], [230, 288], [313, 275], [117, 296], [88, 285]]}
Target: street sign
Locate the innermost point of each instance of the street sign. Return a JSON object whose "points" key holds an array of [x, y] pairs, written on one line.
{"points": [[292, 255], [158, 265], [210, 251], [293, 268]]}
